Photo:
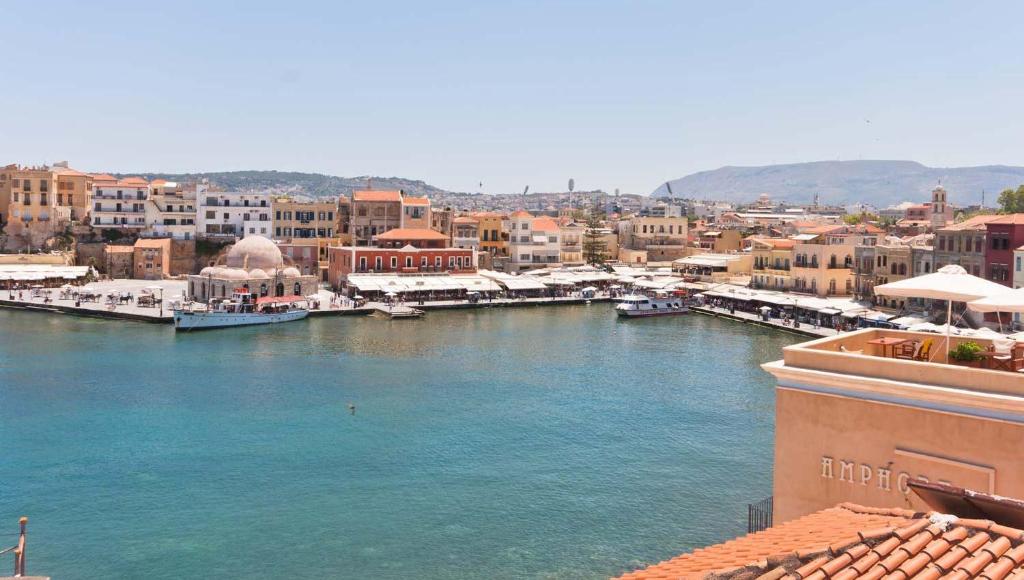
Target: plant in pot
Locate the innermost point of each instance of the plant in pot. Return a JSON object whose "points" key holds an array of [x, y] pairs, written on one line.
{"points": [[966, 354]]}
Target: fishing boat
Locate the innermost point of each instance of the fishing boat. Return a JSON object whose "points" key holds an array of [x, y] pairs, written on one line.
{"points": [[244, 308], [638, 305]]}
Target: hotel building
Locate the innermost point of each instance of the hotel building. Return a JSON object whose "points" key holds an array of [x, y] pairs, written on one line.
{"points": [[233, 214], [120, 204], [533, 242], [868, 448], [772, 263], [37, 203]]}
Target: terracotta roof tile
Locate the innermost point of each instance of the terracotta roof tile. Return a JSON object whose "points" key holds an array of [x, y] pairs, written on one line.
{"points": [[411, 234], [851, 542], [376, 196]]}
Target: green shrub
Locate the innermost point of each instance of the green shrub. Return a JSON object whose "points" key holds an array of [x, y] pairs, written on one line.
{"points": [[966, 351]]}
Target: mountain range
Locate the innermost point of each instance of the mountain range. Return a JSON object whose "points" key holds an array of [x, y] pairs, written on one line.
{"points": [[294, 182], [845, 183]]}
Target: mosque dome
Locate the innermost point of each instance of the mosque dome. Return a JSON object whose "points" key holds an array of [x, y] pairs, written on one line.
{"points": [[258, 274], [234, 274], [291, 272], [207, 271], [252, 252]]}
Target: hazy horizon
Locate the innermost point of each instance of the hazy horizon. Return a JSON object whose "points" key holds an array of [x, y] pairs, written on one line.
{"points": [[614, 94]]}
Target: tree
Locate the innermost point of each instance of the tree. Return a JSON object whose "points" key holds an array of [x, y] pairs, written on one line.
{"points": [[1012, 200], [595, 249]]}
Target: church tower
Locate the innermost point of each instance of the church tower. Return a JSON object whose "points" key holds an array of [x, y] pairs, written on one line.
{"points": [[938, 217]]}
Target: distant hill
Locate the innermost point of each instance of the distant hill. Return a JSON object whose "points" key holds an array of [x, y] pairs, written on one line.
{"points": [[293, 182], [878, 183]]}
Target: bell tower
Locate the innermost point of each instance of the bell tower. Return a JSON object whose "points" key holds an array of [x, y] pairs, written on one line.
{"points": [[938, 215]]}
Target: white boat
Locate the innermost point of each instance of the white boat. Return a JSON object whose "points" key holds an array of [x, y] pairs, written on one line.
{"points": [[638, 305], [243, 309]]}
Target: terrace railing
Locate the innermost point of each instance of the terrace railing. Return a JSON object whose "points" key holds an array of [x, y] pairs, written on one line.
{"points": [[18, 549], [759, 515]]}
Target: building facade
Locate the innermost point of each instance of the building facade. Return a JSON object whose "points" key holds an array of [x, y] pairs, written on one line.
{"points": [[963, 244], [38, 203], [533, 242], [171, 210], [227, 214], [772, 263], [663, 239], [373, 213], [304, 219], [1003, 236], [120, 205]]}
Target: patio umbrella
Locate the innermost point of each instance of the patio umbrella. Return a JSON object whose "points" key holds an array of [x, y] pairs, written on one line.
{"points": [[950, 283], [1006, 301]]}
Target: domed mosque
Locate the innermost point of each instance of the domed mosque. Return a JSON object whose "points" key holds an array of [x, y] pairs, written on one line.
{"points": [[256, 264]]}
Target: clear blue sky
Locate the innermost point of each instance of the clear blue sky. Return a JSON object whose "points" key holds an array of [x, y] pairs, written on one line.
{"points": [[614, 94]]}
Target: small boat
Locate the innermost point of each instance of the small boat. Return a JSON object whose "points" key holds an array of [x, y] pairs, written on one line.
{"points": [[243, 309], [399, 312], [638, 305]]}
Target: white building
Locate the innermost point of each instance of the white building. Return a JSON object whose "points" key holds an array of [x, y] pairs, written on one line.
{"points": [[120, 204], [533, 242], [233, 213], [171, 210]]}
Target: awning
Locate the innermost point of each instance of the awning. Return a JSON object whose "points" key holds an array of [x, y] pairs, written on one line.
{"points": [[829, 311], [279, 299]]}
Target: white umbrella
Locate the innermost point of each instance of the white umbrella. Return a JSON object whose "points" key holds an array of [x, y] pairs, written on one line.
{"points": [[950, 283], [1007, 301]]}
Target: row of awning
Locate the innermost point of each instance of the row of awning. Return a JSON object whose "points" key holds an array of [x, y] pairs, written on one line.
{"points": [[32, 272], [406, 283]]}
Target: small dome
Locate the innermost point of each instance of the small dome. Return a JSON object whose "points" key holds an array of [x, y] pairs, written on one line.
{"points": [[271, 272], [258, 274], [234, 274], [254, 252], [206, 271], [291, 272]]}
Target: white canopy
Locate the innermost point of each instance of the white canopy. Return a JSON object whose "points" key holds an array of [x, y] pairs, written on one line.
{"points": [[1007, 301], [948, 283]]}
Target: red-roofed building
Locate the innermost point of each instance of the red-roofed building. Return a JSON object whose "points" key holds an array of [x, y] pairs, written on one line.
{"points": [[373, 213], [1004, 234], [416, 212], [533, 242]]}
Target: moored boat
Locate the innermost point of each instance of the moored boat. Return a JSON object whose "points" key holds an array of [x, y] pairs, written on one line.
{"points": [[243, 309], [638, 305]]}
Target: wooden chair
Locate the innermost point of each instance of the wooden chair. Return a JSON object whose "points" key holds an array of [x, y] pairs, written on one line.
{"points": [[1006, 356], [907, 350], [921, 351]]}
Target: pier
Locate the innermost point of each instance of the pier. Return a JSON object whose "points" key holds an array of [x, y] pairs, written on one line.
{"points": [[749, 318]]}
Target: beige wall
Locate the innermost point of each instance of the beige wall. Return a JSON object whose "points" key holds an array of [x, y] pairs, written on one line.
{"points": [[818, 434]]}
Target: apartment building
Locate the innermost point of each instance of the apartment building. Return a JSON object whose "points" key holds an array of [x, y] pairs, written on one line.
{"points": [[662, 239], [533, 242], [493, 230], [1004, 235], [304, 219], [572, 234], [466, 232], [171, 210], [120, 204], [824, 258], [415, 212], [234, 214]]}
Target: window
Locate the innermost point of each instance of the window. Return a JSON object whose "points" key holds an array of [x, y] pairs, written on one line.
{"points": [[394, 262], [451, 261], [408, 261], [378, 263], [362, 263], [437, 262]]}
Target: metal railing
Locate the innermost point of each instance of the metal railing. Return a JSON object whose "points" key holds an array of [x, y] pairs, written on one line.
{"points": [[759, 515]]}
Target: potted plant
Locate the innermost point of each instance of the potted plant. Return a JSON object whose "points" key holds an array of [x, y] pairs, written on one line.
{"points": [[966, 354]]}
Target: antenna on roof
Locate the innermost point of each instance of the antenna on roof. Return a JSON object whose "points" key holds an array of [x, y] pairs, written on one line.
{"points": [[671, 194]]}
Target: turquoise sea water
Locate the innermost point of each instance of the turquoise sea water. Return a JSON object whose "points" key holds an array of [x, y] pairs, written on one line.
{"points": [[503, 443]]}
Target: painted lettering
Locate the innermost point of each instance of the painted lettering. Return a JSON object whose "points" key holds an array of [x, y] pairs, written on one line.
{"points": [[826, 467], [845, 470], [901, 482], [883, 478], [865, 473]]}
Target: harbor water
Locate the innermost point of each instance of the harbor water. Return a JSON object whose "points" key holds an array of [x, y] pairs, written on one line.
{"points": [[555, 442]]}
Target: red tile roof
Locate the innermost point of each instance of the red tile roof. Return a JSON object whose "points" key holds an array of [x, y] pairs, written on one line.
{"points": [[974, 223], [411, 234], [545, 224], [465, 219], [778, 243], [377, 196], [521, 214], [1011, 219], [849, 542], [416, 201]]}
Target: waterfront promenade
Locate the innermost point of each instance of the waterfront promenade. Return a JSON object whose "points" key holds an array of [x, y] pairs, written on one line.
{"points": [[174, 289], [750, 318]]}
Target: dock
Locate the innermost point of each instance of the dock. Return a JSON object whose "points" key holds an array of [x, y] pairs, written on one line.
{"points": [[774, 323]]}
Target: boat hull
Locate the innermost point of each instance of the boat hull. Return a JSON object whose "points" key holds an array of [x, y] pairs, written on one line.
{"points": [[211, 320], [650, 313]]}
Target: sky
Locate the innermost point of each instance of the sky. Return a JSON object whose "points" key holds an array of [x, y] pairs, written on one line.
{"points": [[613, 94]]}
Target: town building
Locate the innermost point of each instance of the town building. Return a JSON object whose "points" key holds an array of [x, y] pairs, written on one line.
{"points": [[534, 242], [308, 255], [303, 219], [864, 272], [343, 221], [571, 233], [441, 220], [466, 232], [719, 240], [120, 205], [152, 258], [400, 251], [893, 262], [493, 231], [963, 244], [373, 213], [416, 212], [170, 211], [772, 263], [234, 214], [119, 261], [662, 239], [1004, 234], [256, 264], [37, 203], [716, 268]]}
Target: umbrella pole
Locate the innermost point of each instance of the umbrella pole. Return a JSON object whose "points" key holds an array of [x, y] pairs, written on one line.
{"points": [[949, 321]]}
